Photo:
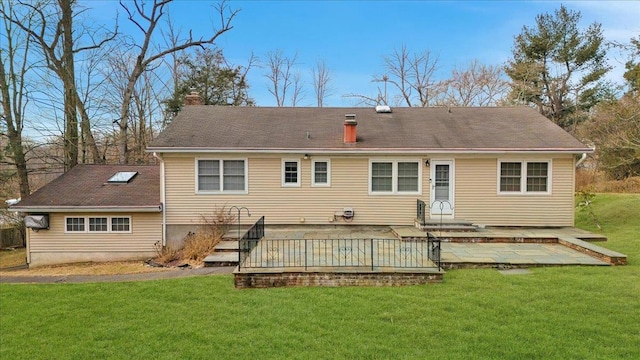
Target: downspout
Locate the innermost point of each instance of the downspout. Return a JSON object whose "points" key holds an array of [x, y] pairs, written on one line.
{"points": [[582, 158], [162, 199]]}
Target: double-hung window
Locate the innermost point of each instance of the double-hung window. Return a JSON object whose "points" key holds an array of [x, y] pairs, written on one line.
{"points": [[394, 177], [221, 176], [321, 173], [524, 177], [291, 173]]}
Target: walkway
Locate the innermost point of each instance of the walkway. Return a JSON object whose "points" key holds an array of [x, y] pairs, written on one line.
{"points": [[170, 274]]}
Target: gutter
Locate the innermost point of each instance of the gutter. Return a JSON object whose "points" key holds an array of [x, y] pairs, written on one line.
{"points": [[366, 151], [80, 209], [163, 198]]}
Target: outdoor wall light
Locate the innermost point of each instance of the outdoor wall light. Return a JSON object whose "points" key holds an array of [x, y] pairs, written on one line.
{"points": [[426, 163], [306, 156]]}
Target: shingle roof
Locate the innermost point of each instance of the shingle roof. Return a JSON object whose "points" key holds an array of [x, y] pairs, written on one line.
{"points": [[436, 128], [86, 186]]}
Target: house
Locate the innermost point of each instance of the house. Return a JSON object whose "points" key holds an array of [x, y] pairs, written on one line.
{"points": [[498, 166], [94, 213]]}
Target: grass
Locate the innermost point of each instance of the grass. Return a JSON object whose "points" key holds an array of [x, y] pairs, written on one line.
{"points": [[552, 313], [86, 268]]}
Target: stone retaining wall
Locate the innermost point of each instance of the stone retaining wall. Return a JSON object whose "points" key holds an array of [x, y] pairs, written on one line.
{"points": [[266, 280]]}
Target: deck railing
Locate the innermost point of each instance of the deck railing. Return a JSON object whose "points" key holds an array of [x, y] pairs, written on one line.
{"points": [[250, 240], [421, 211], [342, 253]]}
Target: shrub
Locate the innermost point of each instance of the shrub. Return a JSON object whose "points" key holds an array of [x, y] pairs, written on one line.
{"points": [[165, 254], [210, 232]]}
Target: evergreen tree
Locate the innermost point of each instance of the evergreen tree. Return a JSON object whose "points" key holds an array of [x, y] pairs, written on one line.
{"points": [[558, 67]]}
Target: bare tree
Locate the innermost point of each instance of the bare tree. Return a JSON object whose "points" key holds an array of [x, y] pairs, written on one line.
{"points": [[53, 31], [412, 75], [14, 54], [281, 73], [477, 85], [322, 79], [146, 20]]}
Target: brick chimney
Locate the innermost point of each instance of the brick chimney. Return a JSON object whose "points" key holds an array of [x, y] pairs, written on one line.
{"points": [[350, 129], [193, 99]]}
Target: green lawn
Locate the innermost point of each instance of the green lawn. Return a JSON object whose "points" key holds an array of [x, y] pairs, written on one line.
{"points": [[561, 313]]}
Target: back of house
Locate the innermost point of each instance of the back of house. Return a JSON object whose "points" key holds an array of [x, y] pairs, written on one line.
{"points": [[504, 166]]}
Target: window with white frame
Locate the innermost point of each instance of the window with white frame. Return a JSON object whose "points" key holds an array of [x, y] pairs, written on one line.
{"points": [[74, 224], [395, 177], [120, 224], [217, 175], [290, 172], [524, 177], [98, 224], [321, 173]]}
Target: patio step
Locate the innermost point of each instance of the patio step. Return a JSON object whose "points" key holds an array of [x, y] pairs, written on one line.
{"points": [[232, 234], [221, 259], [227, 246], [457, 225]]}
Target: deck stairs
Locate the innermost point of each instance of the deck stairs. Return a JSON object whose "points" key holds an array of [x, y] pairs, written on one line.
{"points": [[226, 252]]}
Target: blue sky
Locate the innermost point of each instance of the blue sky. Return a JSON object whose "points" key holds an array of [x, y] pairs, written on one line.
{"points": [[352, 37]]}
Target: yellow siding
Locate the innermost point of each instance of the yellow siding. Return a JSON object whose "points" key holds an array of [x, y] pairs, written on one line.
{"points": [[477, 197], [146, 229], [287, 205]]}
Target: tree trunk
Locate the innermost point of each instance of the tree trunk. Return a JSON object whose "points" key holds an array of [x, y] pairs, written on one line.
{"points": [[68, 74], [85, 127]]}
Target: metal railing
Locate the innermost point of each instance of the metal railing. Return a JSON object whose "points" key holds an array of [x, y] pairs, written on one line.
{"points": [[342, 253], [250, 240], [421, 211]]}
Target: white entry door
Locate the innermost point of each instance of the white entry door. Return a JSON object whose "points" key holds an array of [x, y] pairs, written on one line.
{"points": [[442, 173]]}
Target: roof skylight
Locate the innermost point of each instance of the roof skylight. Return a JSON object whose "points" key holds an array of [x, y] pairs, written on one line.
{"points": [[122, 177]]}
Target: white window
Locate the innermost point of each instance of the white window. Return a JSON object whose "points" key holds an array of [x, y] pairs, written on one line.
{"points": [[291, 173], [216, 176], [74, 224], [321, 173], [98, 224], [524, 177], [395, 177], [120, 224]]}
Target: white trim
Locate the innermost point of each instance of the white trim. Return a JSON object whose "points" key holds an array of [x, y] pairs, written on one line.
{"points": [[85, 223], [372, 151], [452, 187], [88, 226], [394, 176], [85, 209], [221, 174], [120, 232], [109, 224], [163, 197], [313, 172], [523, 177], [298, 173]]}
